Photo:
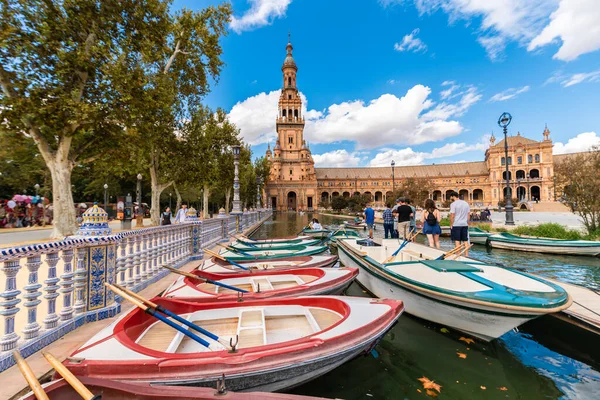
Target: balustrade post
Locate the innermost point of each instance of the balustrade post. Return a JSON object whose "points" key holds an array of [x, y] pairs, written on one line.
{"points": [[9, 303], [122, 260], [31, 295], [130, 264], [67, 285], [163, 247], [144, 257], [51, 320], [137, 258], [80, 280]]}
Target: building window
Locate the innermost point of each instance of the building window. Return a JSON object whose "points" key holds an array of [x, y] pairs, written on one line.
{"points": [[289, 96], [289, 81], [502, 161], [537, 158], [519, 160], [509, 160], [291, 172], [291, 140], [529, 159]]}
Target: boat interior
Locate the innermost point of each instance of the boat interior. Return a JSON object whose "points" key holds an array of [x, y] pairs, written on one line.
{"points": [[215, 266], [258, 284], [254, 326], [382, 253]]}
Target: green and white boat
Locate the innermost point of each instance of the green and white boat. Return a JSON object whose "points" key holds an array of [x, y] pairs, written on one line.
{"points": [[271, 254], [481, 299], [316, 233], [478, 236], [509, 241], [342, 234], [285, 239], [266, 245]]}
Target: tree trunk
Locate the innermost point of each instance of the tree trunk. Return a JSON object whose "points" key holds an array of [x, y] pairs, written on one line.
{"points": [[205, 195], [227, 198], [178, 196], [64, 218], [157, 189]]}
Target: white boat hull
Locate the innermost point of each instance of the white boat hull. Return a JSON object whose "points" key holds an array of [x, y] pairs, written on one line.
{"points": [[483, 323], [478, 239], [563, 250]]}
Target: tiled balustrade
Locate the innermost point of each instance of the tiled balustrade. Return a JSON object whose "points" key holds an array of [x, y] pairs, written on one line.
{"points": [[62, 286]]}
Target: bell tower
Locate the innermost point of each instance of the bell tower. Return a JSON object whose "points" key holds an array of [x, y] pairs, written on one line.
{"points": [[293, 182]]}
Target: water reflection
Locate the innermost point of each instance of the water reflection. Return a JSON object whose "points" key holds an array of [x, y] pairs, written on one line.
{"points": [[534, 364]]}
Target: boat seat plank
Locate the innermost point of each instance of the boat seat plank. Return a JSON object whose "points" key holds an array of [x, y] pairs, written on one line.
{"points": [[224, 328], [324, 318], [287, 327], [307, 278], [450, 266], [284, 284], [251, 318], [157, 337], [251, 338]]}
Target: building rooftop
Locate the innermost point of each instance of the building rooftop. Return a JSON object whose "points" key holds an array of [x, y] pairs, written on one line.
{"points": [[416, 171], [515, 140]]}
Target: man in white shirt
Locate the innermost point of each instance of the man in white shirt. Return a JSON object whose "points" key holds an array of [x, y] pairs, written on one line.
{"points": [[459, 221], [180, 217]]}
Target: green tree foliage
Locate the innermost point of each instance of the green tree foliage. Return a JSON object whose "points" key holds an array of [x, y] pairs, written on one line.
{"points": [[578, 180], [339, 203], [21, 166], [357, 202]]}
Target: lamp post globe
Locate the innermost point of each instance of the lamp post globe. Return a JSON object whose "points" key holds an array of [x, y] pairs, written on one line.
{"points": [[503, 122], [138, 195], [37, 187], [236, 180], [105, 197]]}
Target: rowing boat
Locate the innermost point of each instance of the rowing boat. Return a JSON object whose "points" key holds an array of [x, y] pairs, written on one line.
{"points": [[478, 298], [115, 390], [263, 284], [478, 236], [288, 239], [268, 254], [275, 246], [509, 241], [278, 343], [342, 233], [355, 225], [217, 266], [316, 233]]}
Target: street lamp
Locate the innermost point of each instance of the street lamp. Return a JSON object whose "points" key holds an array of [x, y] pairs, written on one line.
{"points": [[503, 122], [236, 181], [393, 163], [138, 195], [170, 194], [258, 182], [37, 187], [105, 197]]}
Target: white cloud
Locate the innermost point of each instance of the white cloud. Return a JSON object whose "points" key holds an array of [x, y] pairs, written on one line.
{"points": [[582, 142], [337, 158], [573, 24], [255, 117], [408, 156], [261, 13], [577, 24], [387, 120], [412, 43], [574, 79], [508, 94]]}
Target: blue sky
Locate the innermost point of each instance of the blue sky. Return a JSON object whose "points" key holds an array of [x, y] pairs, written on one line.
{"points": [[417, 81]]}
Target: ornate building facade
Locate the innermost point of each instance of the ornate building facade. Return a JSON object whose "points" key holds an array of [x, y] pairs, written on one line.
{"points": [[295, 184]]}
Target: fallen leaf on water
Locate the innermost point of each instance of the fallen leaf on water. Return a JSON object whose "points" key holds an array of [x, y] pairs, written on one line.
{"points": [[503, 388], [467, 340], [419, 390], [444, 330], [482, 387], [461, 355], [431, 393], [429, 384]]}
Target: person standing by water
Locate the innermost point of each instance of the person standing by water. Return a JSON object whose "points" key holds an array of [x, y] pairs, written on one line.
{"points": [[180, 217], [459, 221], [388, 222], [431, 223], [413, 219], [166, 216], [369, 214], [404, 213]]}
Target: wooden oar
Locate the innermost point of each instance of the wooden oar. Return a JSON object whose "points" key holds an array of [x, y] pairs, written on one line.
{"points": [[176, 317], [303, 229], [460, 253], [235, 250], [152, 312], [29, 376], [402, 245], [70, 378], [449, 253], [192, 276], [220, 257]]}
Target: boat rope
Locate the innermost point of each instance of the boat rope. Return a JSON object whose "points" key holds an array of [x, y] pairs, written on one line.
{"points": [[587, 308]]}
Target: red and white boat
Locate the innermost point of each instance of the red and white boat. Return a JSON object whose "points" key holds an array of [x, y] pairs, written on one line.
{"points": [[218, 266], [281, 343], [263, 284], [114, 390]]}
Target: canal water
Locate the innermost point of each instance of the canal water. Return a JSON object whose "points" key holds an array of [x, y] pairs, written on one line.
{"points": [[546, 359]]}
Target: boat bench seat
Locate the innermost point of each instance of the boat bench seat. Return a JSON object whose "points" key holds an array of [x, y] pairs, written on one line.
{"points": [[450, 266]]}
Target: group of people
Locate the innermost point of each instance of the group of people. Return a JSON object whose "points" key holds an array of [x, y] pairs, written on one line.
{"points": [[400, 221], [482, 216], [22, 214], [166, 218]]}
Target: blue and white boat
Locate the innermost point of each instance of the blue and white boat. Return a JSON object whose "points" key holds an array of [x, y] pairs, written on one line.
{"points": [[481, 299]]}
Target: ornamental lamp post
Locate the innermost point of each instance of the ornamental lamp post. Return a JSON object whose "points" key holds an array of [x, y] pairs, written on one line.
{"points": [[170, 196], [236, 181], [37, 188], [138, 195], [503, 122], [105, 197], [393, 163], [258, 196]]}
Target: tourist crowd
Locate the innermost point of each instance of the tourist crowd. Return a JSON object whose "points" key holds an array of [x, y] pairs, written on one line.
{"points": [[25, 211]]}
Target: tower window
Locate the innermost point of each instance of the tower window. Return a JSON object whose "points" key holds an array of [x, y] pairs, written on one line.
{"points": [[290, 172], [283, 113], [289, 96], [296, 113], [291, 140], [289, 81]]}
